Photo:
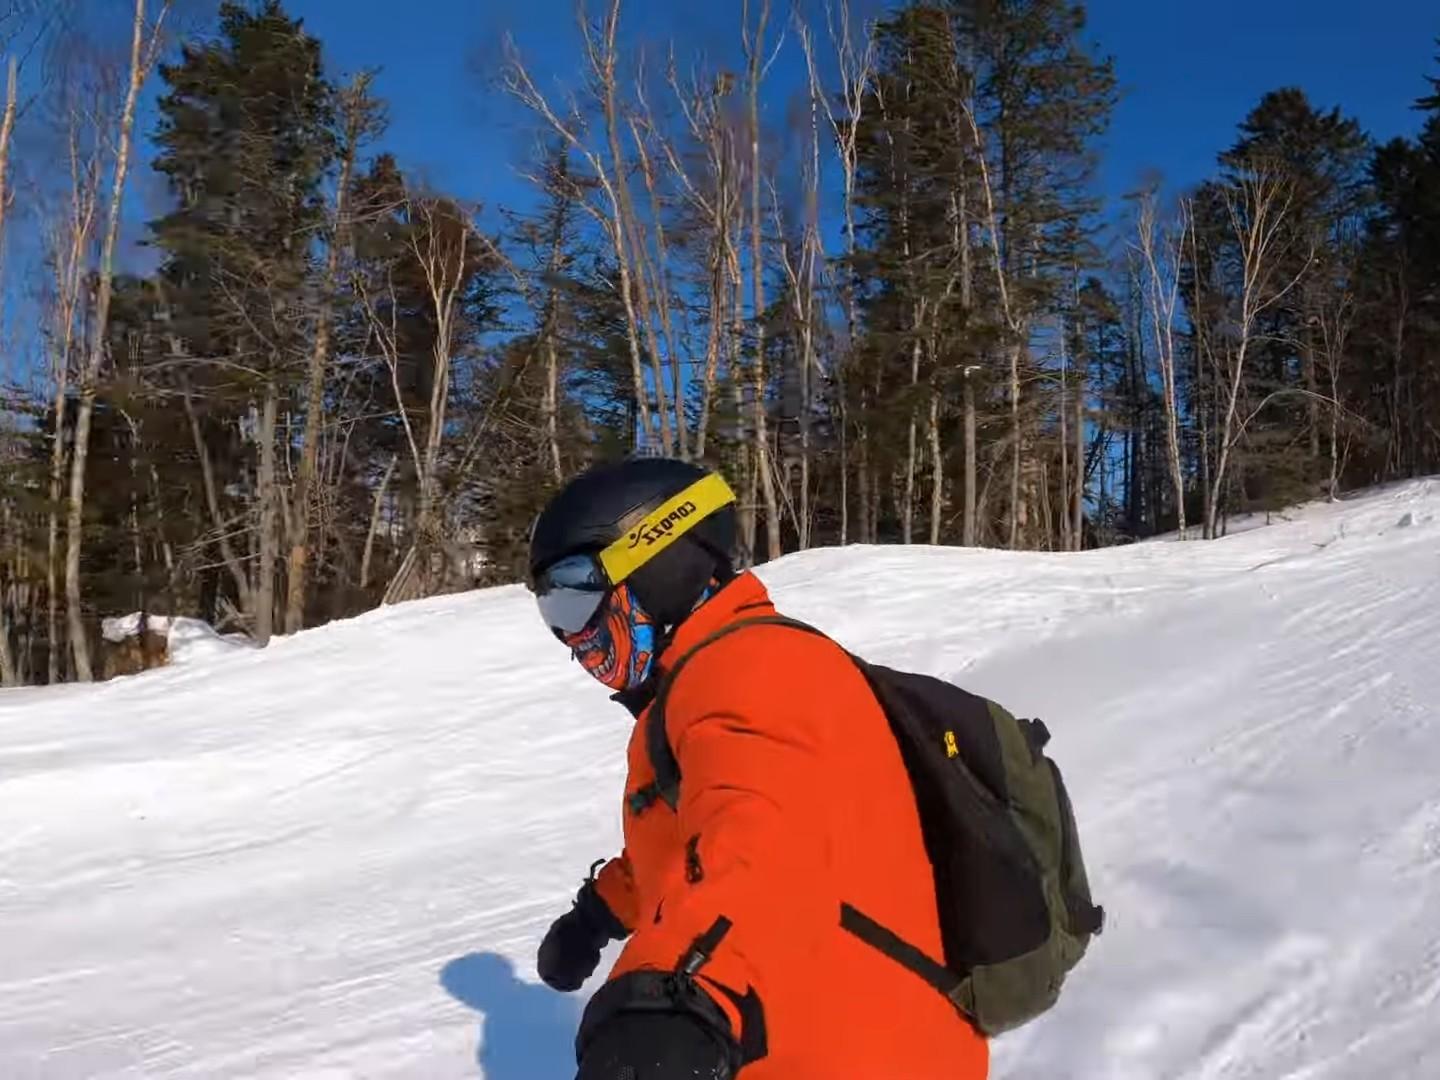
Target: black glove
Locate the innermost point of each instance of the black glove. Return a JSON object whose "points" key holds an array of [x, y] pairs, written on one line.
{"points": [[657, 1046], [571, 949]]}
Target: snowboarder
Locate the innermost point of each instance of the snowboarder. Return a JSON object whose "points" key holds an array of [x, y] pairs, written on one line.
{"points": [[795, 804]]}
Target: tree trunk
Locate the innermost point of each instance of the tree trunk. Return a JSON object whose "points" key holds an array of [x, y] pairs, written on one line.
{"points": [[1312, 385], [141, 58], [1064, 442], [377, 508], [551, 406], [1164, 268], [627, 238], [757, 281], [813, 253], [1203, 394], [262, 592], [1077, 524], [1227, 435], [1016, 506], [435, 431], [742, 439], [937, 467], [7, 129], [855, 75], [74, 519], [873, 510], [319, 367], [862, 479], [68, 270], [968, 535], [140, 602], [1393, 453], [661, 271], [9, 676], [1334, 432], [1041, 498], [1205, 480], [907, 509], [720, 262], [713, 341], [805, 365], [212, 499], [844, 456], [754, 462], [52, 537]]}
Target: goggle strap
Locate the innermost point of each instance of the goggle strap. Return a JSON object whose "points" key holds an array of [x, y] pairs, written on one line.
{"points": [[664, 525]]}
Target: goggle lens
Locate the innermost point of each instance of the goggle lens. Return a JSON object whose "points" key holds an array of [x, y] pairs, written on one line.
{"points": [[570, 591]]}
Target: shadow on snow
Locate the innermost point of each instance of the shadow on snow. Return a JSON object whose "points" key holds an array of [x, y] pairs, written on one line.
{"points": [[527, 1030]]}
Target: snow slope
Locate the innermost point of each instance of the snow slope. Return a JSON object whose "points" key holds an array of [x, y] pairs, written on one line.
{"points": [[335, 858]]}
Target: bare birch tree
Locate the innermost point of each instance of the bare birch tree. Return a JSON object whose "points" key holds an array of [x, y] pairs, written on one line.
{"points": [[144, 48], [1335, 320], [9, 595], [359, 117], [1013, 323], [804, 280], [856, 64], [7, 131], [562, 199], [376, 512], [266, 537], [441, 243], [1256, 206], [716, 199], [440, 246], [616, 218], [1163, 253], [602, 53], [69, 243], [753, 42], [657, 268]]}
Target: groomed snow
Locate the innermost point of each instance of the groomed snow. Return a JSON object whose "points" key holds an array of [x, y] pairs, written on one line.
{"points": [[334, 858]]}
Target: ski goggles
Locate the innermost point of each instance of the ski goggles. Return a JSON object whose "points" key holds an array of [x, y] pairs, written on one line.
{"points": [[571, 590]]}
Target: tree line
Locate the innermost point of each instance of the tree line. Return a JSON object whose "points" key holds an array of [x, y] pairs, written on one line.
{"points": [[890, 307]]}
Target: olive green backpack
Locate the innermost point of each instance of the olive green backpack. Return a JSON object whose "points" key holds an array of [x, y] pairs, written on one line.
{"points": [[1013, 899]]}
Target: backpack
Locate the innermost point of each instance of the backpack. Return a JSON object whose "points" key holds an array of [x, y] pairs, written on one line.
{"points": [[1010, 885]]}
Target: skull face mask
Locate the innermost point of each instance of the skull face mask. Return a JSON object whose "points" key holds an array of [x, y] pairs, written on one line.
{"points": [[617, 646]]}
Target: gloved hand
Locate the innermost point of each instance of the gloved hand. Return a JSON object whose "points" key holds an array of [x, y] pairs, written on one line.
{"points": [[571, 949], [657, 1046]]}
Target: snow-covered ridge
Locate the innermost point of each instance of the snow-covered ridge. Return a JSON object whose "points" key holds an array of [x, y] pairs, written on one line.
{"points": [[334, 857]]}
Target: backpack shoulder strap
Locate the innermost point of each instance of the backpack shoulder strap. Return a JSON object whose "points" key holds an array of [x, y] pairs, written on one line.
{"points": [[666, 785]]}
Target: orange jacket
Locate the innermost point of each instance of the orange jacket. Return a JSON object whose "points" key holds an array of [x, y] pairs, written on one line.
{"points": [[793, 801]]}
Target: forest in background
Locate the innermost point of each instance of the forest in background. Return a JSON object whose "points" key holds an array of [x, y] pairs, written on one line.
{"points": [[893, 311]]}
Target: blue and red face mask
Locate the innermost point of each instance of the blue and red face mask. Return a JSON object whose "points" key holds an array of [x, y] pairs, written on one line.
{"points": [[607, 630], [605, 626], [617, 647]]}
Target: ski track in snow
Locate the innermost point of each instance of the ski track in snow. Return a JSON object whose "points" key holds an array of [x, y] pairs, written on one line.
{"points": [[335, 858]]}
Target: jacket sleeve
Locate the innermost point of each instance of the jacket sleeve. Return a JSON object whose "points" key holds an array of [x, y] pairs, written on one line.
{"points": [[748, 721], [615, 883]]}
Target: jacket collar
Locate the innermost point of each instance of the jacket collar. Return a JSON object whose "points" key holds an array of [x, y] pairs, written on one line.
{"points": [[744, 597]]}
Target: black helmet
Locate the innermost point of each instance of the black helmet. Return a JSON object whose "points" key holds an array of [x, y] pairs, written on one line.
{"points": [[668, 558]]}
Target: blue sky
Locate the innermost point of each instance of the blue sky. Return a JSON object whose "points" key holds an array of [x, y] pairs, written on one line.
{"points": [[1189, 71]]}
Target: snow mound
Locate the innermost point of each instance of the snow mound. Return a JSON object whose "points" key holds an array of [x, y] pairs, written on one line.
{"points": [[189, 640], [335, 857]]}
